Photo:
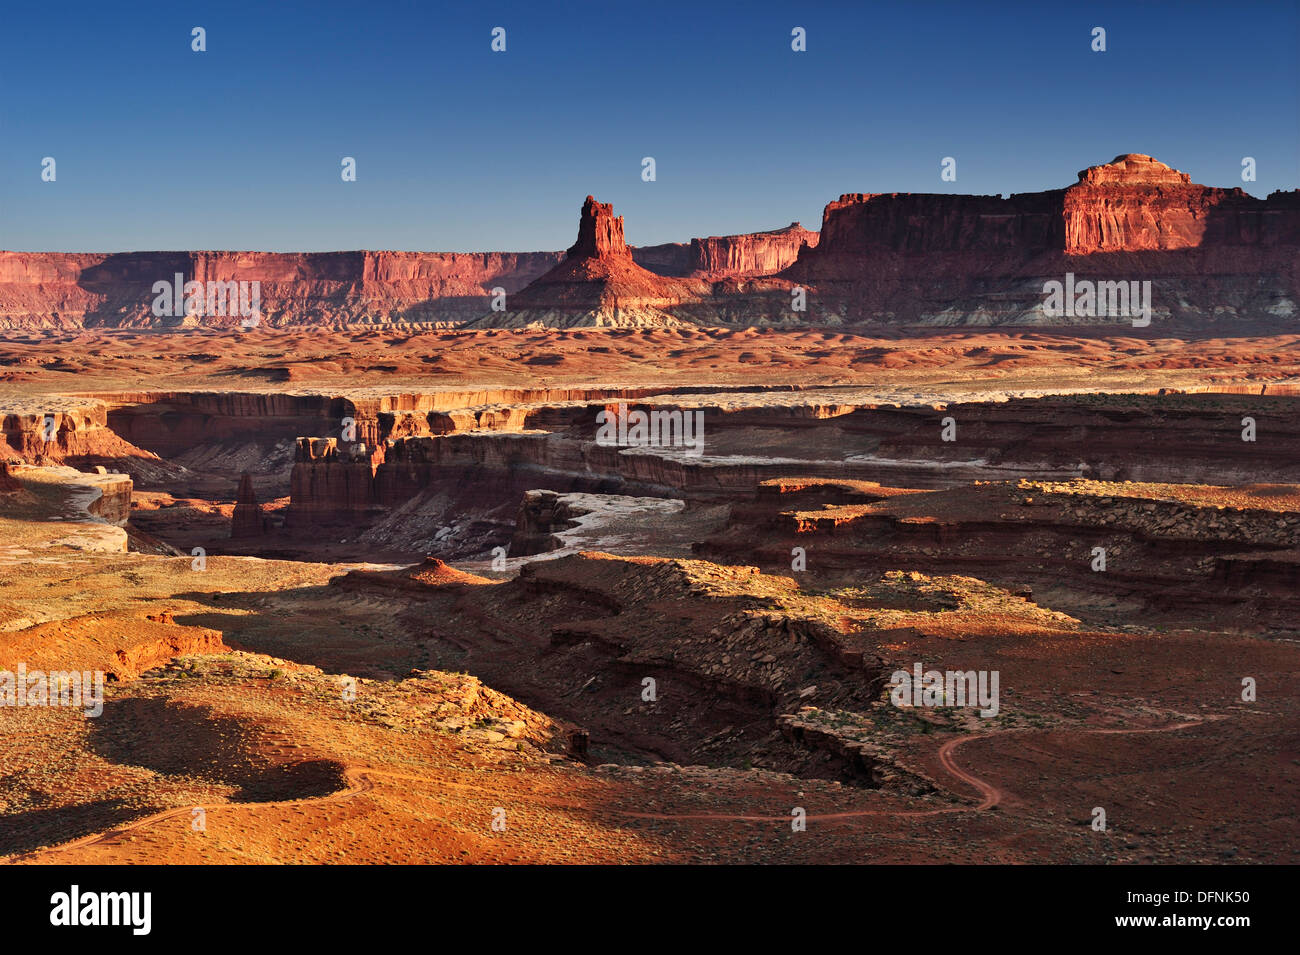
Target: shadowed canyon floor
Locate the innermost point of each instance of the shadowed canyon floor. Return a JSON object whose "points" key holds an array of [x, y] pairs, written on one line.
{"points": [[436, 601]]}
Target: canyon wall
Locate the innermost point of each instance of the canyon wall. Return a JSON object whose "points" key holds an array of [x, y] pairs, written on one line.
{"points": [[1137, 204], [1126, 437], [73, 433], [172, 423]]}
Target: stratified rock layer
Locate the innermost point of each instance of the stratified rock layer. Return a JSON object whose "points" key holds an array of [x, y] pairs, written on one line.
{"points": [[1213, 256], [728, 256], [76, 290], [1210, 254]]}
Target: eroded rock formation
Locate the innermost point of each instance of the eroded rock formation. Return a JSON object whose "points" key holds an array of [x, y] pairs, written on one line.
{"points": [[58, 290], [76, 290], [599, 283], [247, 521], [1211, 254]]}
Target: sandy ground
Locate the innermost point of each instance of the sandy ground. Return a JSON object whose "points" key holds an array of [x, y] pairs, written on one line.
{"points": [[361, 359]]}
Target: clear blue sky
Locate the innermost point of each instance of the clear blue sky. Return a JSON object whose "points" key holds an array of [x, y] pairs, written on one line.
{"points": [[461, 149]]}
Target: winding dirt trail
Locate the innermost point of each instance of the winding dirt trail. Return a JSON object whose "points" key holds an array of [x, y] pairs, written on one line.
{"points": [[360, 780]]}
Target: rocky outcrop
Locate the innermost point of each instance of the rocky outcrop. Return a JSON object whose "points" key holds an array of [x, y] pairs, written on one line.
{"points": [[83, 510], [247, 520], [598, 284], [332, 481], [113, 503], [74, 432], [541, 514]]}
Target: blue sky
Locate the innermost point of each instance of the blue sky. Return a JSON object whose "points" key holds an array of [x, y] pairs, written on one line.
{"points": [[462, 149]]}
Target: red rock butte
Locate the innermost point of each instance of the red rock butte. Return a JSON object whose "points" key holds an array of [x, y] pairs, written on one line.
{"points": [[599, 284], [600, 234]]}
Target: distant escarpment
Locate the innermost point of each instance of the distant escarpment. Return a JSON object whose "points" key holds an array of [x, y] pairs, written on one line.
{"points": [[1211, 255], [728, 256], [57, 290], [94, 290], [1214, 258]]}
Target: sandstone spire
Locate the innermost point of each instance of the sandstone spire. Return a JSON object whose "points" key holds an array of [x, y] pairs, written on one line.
{"points": [[247, 519], [600, 232], [598, 283]]}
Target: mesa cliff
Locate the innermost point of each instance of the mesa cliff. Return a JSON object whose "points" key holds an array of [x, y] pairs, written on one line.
{"points": [[727, 256], [1215, 257], [1211, 254], [58, 290], [115, 290]]}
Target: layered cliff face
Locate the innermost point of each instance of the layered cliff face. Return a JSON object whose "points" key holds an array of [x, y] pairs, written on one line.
{"points": [[1136, 203], [91, 290], [728, 256], [860, 224], [1115, 438], [71, 432], [1132, 204], [75, 290], [1211, 255], [598, 284], [40, 290]]}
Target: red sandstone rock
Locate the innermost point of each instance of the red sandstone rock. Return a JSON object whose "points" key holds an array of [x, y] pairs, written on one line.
{"points": [[247, 521], [61, 290], [599, 283], [1136, 203], [600, 233], [750, 255], [73, 290], [1211, 254]]}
